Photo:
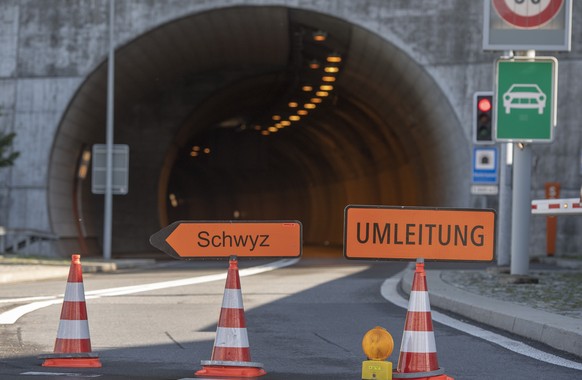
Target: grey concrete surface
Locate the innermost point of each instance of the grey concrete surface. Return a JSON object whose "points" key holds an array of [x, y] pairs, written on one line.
{"points": [[20, 272]]}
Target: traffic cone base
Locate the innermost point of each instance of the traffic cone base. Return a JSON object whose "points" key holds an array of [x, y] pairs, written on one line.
{"points": [[86, 362], [432, 375], [218, 368]]}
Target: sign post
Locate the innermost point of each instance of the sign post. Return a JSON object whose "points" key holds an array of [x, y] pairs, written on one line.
{"points": [[525, 92], [552, 192], [192, 240], [410, 233]]}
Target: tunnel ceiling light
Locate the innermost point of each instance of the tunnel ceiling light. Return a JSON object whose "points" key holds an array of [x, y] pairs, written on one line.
{"points": [[265, 132], [84, 165], [322, 94], [331, 69], [272, 129], [294, 118], [293, 104], [285, 123], [307, 88], [319, 36], [173, 200], [196, 148], [206, 150], [326, 87], [316, 100], [309, 106], [276, 117], [194, 154], [279, 126], [314, 64], [328, 79], [334, 58], [302, 112]]}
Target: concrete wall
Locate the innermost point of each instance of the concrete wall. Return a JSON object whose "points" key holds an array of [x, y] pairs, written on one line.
{"points": [[50, 47]]}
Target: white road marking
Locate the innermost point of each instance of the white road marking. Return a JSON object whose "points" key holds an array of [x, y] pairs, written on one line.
{"points": [[389, 292], [11, 316], [64, 374]]}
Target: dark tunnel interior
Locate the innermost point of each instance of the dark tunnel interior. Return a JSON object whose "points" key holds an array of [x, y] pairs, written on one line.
{"points": [[256, 113]]}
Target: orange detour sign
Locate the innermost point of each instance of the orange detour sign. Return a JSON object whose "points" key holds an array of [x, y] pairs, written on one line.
{"points": [[222, 239], [408, 233]]}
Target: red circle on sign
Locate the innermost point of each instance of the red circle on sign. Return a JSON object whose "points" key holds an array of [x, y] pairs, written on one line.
{"points": [[530, 21]]}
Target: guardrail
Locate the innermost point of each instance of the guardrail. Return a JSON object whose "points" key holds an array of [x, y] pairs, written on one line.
{"points": [[26, 240]]}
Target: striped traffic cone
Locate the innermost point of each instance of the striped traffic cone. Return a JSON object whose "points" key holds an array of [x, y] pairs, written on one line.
{"points": [[73, 344], [231, 355], [418, 354]]}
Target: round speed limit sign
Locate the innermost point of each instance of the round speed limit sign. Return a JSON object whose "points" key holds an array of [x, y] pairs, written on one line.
{"points": [[527, 14]]}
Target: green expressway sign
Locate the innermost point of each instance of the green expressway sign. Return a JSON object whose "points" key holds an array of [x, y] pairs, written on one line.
{"points": [[525, 99]]}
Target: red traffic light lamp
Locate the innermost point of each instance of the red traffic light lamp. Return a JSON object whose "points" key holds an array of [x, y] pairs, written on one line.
{"points": [[483, 118]]}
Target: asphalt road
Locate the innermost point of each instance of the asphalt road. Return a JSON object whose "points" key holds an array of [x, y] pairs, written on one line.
{"points": [[304, 321]]}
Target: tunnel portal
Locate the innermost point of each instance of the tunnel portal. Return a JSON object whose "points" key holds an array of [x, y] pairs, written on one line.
{"points": [[258, 113]]}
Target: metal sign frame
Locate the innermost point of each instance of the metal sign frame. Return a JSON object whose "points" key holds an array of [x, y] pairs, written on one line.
{"points": [[554, 35]]}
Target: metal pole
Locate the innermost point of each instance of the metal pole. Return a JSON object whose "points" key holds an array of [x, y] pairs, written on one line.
{"points": [[521, 209], [504, 214], [109, 141]]}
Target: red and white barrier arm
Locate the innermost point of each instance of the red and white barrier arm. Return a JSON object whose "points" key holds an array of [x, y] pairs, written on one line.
{"points": [[566, 206]]}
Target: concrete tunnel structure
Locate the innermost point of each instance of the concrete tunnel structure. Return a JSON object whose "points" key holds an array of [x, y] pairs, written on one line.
{"points": [[383, 135], [394, 130]]}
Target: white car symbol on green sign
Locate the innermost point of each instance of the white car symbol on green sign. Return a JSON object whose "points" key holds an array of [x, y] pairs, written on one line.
{"points": [[524, 96]]}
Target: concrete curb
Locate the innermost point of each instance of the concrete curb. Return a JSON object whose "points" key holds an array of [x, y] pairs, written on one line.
{"points": [[560, 332], [13, 273]]}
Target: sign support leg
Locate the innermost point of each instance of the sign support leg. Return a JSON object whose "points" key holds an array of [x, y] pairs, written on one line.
{"points": [[108, 212], [504, 215], [521, 209]]}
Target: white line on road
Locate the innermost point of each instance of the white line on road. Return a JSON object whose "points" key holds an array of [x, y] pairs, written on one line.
{"points": [[64, 374], [389, 292], [11, 316]]}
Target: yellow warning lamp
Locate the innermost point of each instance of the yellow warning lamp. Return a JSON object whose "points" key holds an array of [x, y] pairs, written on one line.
{"points": [[377, 345]]}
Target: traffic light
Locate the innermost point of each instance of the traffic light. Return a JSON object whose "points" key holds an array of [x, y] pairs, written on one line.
{"points": [[483, 118]]}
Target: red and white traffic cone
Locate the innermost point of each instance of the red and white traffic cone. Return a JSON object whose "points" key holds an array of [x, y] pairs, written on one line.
{"points": [[231, 355], [73, 344], [418, 354]]}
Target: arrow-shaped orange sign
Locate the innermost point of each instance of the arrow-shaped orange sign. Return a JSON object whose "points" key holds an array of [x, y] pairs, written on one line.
{"points": [[214, 239]]}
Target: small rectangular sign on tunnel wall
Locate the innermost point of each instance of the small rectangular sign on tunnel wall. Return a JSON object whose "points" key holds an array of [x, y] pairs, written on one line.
{"points": [[120, 168], [409, 233]]}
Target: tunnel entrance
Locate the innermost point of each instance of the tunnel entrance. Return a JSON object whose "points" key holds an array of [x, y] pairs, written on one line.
{"points": [[257, 113]]}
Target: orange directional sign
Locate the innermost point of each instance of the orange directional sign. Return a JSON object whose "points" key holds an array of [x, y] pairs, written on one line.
{"points": [[408, 233], [215, 239]]}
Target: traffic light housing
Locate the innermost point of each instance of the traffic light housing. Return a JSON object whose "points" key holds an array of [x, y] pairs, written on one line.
{"points": [[483, 118]]}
